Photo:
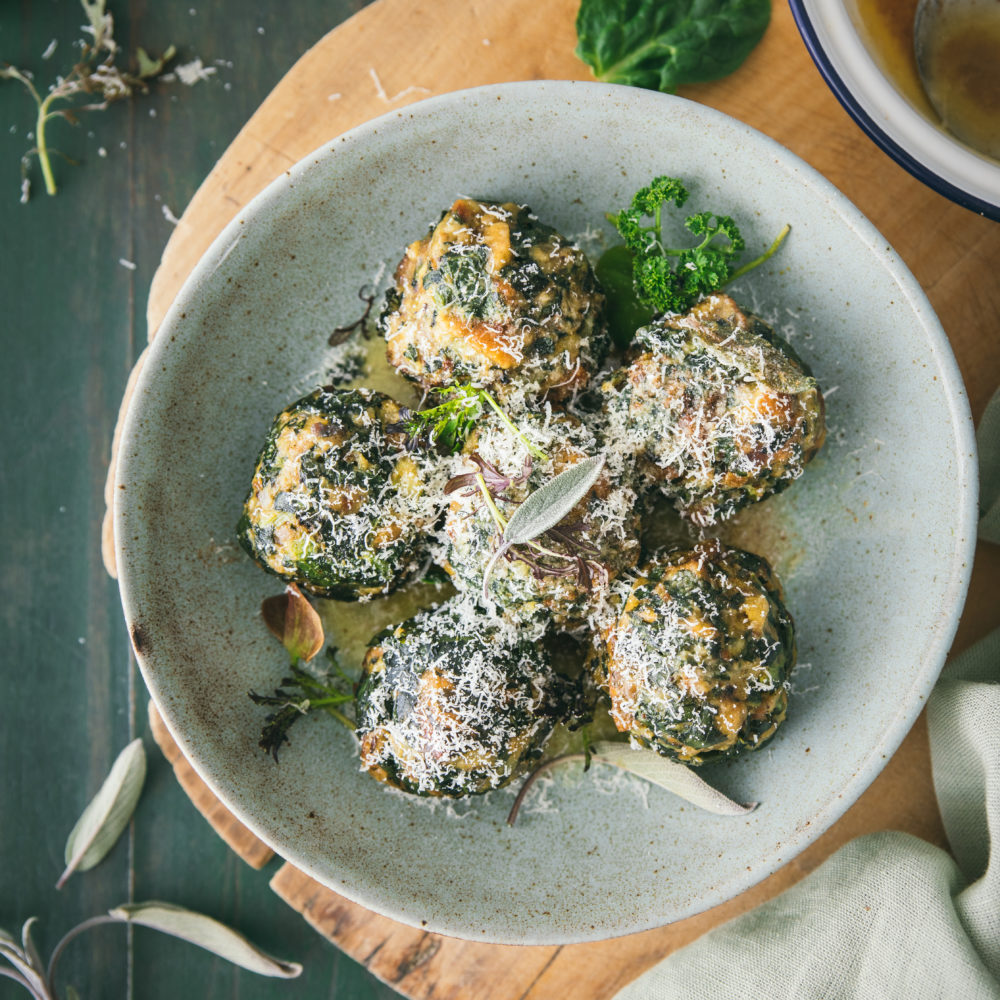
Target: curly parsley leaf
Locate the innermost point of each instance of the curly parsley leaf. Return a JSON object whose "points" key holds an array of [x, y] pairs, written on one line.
{"points": [[665, 278], [661, 46]]}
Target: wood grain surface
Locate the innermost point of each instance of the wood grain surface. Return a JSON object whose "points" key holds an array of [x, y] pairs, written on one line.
{"points": [[397, 51]]}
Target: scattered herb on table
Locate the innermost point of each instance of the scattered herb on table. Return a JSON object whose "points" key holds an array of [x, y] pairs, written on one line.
{"points": [[647, 276], [95, 77], [662, 45], [93, 836]]}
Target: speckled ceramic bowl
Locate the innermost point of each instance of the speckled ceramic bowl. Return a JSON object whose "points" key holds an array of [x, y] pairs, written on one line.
{"points": [[873, 543]]}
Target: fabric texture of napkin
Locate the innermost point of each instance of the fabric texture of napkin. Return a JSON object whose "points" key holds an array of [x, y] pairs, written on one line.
{"points": [[888, 916]]}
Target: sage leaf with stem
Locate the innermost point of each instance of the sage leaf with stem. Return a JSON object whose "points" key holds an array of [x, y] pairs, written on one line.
{"points": [[677, 778], [108, 813], [207, 933], [544, 508]]}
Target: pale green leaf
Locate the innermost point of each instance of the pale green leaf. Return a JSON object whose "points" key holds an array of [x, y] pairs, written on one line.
{"points": [[551, 502], [28, 944], [102, 822], [683, 781], [71, 993], [206, 933], [150, 67], [24, 961]]}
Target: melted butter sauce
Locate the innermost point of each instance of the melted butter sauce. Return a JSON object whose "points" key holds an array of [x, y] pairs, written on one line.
{"points": [[886, 26], [964, 60]]}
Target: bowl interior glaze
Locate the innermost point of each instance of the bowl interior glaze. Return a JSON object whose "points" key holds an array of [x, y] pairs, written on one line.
{"points": [[873, 543]]}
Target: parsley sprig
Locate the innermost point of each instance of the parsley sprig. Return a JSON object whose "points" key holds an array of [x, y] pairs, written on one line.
{"points": [[665, 278]]}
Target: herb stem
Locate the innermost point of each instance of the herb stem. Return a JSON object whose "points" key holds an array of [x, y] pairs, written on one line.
{"points": [[770, 252], [339, 716], [42, 146], [530, 780], [67, 937], [501, 522], [537, 452]]}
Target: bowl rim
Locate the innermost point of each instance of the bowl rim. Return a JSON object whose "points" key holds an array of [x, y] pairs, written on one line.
{"points": [[894, 105], [959, 570]]}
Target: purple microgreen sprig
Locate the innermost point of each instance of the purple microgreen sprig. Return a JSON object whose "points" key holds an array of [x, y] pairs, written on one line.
{"points": [[496, 482]]}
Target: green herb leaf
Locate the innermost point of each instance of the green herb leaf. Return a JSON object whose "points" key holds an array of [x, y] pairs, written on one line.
{"points": [[294, 622], [206, 933], [664, 278], [625, 312], [291, 705], [674, 777], [150, 67], [108, 813], [663, 45], [551, 502]]}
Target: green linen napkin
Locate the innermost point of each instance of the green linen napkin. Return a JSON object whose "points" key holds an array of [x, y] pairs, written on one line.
{"points": [[888, 916]]}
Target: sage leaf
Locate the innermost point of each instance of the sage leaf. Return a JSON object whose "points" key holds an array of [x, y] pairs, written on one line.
{"points": [[294, 622], [102, 822], [28, 945], [660, 46], [683, 781], [551, 502], [31, 976], [206, 933]]}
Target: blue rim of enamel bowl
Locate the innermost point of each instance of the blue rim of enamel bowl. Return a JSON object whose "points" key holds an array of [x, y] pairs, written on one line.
{"points": [[881, 139]]}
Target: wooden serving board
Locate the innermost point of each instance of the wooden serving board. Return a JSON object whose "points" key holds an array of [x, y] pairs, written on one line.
{"points": [[398, 51]]}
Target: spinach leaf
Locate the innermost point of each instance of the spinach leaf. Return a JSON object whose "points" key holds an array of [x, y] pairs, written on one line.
{"points": [[662, 44]]}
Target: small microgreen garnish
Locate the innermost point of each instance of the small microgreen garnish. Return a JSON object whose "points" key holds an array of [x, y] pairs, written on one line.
{"points": [[495, 481], [647, 276], [297, 626], [92, 76], [294, 698], [451, 422]]}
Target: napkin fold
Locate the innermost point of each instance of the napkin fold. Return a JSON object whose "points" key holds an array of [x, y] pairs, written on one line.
{"points": [[887, 916]]}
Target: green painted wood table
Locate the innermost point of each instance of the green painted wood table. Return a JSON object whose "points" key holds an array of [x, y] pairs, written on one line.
{"points": [[75, 272]]}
